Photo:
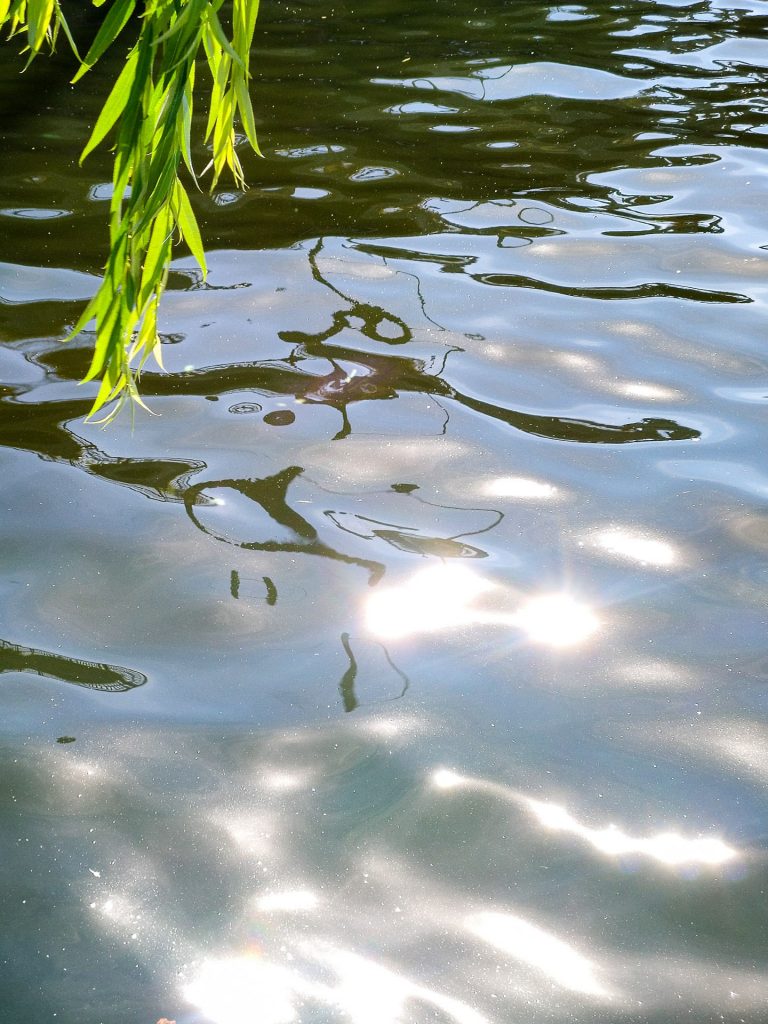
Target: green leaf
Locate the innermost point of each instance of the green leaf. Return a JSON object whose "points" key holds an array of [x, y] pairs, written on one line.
{"points": [[149, 109], [221, 39], [111, 27], [114, 105], [246, 113], [39, 14], [62, 21], [190, 232]]}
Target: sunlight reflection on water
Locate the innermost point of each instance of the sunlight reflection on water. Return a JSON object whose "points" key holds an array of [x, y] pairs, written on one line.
{"points": [[668, 848], [537, 948], [444, 597], [433, 599], [637, 547], [519, 487], [246, 989]]}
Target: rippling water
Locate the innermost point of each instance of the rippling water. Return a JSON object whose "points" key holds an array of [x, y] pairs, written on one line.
{"points": [[410, 665]]}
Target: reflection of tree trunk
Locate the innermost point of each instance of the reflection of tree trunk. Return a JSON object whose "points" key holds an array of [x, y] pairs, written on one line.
{"points": [[93, 674]]}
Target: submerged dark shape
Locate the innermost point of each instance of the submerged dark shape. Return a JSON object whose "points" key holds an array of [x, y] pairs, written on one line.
{"points": [[93, 674]]}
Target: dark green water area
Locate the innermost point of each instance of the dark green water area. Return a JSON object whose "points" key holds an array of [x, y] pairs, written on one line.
{"points": [[409, 666]]}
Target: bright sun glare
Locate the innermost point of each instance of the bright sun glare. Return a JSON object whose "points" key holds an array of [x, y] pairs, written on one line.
{"points": [[665, 847], [445, 596], [557, 620], [433, 599]]}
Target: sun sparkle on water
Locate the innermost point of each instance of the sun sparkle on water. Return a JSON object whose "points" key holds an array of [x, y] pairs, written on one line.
{"points": [[557, 620], [637, 547], [446, 596], [433, 599], [518, 487], [539, 949], [666, 847]]}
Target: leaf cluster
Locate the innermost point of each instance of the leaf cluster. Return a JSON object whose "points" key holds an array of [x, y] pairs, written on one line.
{"points": [[148, 113]]}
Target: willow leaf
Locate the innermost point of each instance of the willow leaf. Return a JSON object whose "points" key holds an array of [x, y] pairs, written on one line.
{"points": [[190, 232], [221, 39], [114, 105], [150, 111], [246, 113], [39, 13], [111, 27]]}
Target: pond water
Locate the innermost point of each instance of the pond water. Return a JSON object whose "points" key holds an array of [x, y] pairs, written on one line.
{"points": [[410, 665]]}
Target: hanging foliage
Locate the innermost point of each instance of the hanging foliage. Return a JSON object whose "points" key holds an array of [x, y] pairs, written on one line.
{"points": [[148, 117]]}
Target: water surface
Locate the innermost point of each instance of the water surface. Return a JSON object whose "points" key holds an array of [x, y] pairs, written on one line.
{"points": [[409, 665]]}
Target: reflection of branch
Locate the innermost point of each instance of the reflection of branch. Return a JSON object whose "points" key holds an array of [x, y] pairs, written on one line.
{"points": [[93, 674], [269, 586], [462, 508], [271, 591], [346, 426], [447, 419], [347, 683], [448, 351], [270, 494], [42, 428], [372, 316], [403, 676], [422, 300]]}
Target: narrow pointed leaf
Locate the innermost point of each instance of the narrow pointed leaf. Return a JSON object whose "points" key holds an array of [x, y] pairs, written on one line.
{"points": [[111, 27], [188, 226], [114, 106]]}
